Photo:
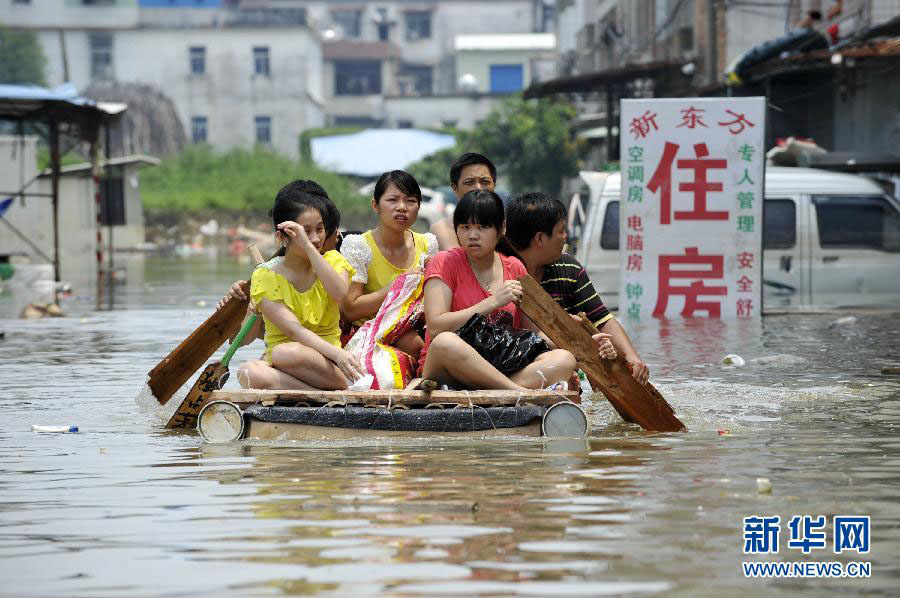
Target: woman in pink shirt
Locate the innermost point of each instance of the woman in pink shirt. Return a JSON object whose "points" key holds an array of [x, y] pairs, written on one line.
{"points": [[475, 278]]}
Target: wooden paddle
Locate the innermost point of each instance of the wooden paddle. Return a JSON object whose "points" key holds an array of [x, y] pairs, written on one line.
{"points": [[211, 379], [172, 372], [643, 405]]}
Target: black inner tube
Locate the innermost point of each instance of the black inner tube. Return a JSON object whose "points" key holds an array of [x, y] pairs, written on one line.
{"points": [[448, 419]]}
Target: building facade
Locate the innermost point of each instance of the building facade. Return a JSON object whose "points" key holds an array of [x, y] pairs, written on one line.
{"points": [[379, 56], [237, 77]]}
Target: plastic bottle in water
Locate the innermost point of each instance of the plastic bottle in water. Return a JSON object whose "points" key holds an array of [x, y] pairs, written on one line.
{"points": [[55, 429]]}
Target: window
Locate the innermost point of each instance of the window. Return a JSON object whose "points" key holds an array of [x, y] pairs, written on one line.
{"points": [[198, 129], [357, 77], [506, 78], [404, 124], [349, 21], [383, 23], [779, 224], [21, 1], [264, 129], [861, 222], [198, 60], [101, 47], [98, 2], [416, 80], [609, 236], [418, 25], [261, 60]]}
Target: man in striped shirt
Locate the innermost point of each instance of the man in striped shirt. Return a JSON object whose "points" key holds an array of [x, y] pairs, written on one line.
{"points": [[536, 227]]}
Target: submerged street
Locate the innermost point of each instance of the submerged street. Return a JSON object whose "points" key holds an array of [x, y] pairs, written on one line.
{"points": [[124, 507]]}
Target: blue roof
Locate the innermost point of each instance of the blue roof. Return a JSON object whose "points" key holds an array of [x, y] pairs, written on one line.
{"points": [[373, 151]]}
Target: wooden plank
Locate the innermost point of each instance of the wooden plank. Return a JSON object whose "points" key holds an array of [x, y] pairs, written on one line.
{"points": [[244, 397], [611, 377], [186, 415], [171, 373]]}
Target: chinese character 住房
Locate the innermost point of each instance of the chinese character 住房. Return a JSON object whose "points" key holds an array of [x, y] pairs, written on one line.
{"points": [[699, 186], [761, 534], [670, 267]]}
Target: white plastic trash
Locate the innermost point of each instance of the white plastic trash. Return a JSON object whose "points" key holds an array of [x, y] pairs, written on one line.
{"points": [[55, 429], [732, 359]]}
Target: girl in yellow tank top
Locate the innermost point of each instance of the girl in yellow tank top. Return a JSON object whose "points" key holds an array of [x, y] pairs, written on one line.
{"points": [[298, 295], [390, 249]]}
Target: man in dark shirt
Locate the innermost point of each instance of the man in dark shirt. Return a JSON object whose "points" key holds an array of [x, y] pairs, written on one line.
{"points": [[536, 227]]}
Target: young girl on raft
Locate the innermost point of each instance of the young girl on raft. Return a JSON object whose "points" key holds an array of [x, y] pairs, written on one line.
{"points": [[298, 295], [380, 255], [476, 279]]}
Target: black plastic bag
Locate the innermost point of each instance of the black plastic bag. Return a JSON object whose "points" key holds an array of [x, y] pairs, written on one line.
{"points": [[504, 347]]}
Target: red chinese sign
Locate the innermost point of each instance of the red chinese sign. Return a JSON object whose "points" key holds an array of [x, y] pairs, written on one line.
{"points": [[692, 193]]}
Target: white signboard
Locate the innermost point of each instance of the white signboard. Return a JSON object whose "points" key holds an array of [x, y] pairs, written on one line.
{"points": [[692, 204]]}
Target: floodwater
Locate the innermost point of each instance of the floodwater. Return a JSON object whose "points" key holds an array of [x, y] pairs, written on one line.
{"points": [[125, 508]]}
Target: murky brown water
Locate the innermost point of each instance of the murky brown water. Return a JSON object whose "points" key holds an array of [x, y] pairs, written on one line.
{"points": [[126, 508]]}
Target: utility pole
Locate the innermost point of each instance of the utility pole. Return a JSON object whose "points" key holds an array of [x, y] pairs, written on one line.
{"points": [[711, 42]]}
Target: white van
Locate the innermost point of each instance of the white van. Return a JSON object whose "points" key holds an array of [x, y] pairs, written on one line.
{"points": [[829, 240]]}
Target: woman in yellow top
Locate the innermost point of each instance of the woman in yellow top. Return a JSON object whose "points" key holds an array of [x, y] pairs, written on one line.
{"points": [[390, 249], [299, 293]]}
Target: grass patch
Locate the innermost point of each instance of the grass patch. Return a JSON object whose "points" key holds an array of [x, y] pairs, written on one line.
{"points": [[200, 181]]}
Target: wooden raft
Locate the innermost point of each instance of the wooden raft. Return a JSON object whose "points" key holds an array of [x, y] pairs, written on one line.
{"points": [[384, 398], [643, 405]]}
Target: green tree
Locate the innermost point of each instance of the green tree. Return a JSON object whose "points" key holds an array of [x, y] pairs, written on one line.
{"points": [[531, 143], [21, 59], [432, 170]]}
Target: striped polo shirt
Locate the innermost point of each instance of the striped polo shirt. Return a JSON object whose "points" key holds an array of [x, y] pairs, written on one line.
{"points": [[567, 282]]}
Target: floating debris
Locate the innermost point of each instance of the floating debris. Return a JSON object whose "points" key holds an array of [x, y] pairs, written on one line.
{"points": [[763, 486], [732, 359]]}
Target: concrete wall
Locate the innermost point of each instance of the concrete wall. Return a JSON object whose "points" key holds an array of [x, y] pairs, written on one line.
{"points": [[465, 111], [53, 14], [449, 19], [18, 165], [867, 119], [229, 94], [77, 212], [478, 63]]}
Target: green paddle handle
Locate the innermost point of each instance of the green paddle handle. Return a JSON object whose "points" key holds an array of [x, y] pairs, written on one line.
{"points": [[239, 339]]}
